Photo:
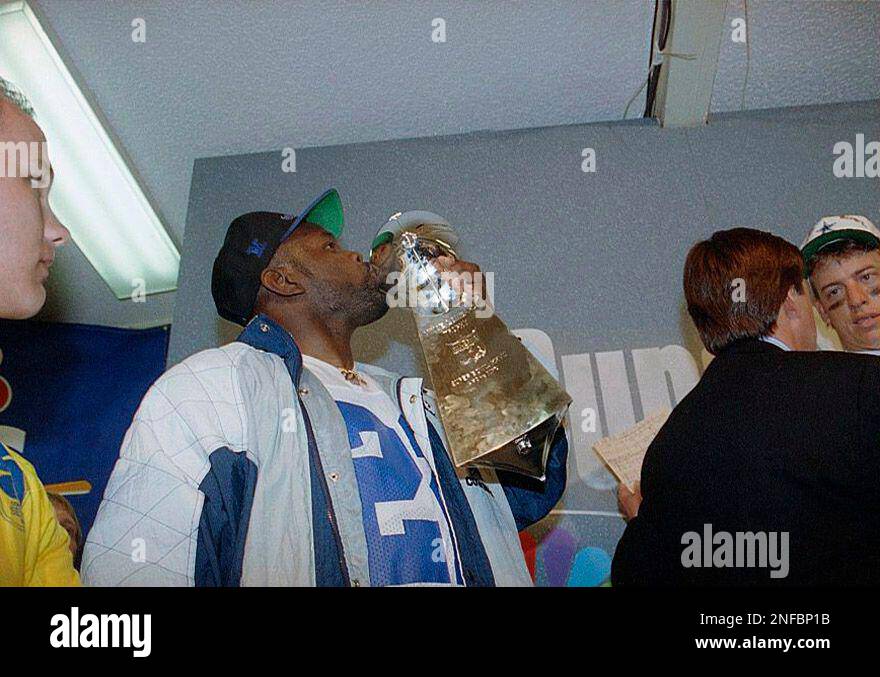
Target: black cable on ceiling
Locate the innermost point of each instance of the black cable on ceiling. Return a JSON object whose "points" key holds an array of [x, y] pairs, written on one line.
{"points": [[664, 9]]}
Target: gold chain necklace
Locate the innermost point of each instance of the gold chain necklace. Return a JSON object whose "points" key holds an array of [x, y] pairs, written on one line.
{"points": [[352, 376]]}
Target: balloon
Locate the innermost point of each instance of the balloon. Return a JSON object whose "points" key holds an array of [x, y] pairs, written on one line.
{"points": [[557, 550], [591, 567]]}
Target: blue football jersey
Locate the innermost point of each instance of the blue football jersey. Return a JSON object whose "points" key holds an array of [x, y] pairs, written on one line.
{"points": [[410, 538]]}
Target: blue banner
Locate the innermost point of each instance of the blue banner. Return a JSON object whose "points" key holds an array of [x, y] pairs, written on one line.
{"points": [[68, 393]]}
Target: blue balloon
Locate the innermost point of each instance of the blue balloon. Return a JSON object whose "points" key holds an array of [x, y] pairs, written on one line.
{"points": [[591, 568]]}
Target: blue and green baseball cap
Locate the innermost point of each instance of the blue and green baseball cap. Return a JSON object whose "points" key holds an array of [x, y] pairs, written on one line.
{"points": [[251, 241]]}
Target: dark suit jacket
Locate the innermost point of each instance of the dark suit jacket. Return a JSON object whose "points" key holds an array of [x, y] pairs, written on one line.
{"points": [[770, 441]]}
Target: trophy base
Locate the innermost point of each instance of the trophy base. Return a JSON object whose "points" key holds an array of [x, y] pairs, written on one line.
{"points": [[526, 455]]}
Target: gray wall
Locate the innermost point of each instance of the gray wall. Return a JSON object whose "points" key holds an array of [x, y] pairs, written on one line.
{"points": [[594, 260]]}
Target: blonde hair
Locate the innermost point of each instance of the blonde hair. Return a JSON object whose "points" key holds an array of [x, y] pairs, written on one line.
{"points": [[58, 501], [12, 94]]}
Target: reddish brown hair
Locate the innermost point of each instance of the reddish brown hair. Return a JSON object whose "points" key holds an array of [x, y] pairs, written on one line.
{"points": [[768, 268]]}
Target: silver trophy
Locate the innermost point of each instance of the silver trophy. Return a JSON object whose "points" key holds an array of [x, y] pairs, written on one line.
{"points": [[499, 406]]}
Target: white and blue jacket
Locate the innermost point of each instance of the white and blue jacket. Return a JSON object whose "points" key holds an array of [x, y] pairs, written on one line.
{"points": [[237, 470]]}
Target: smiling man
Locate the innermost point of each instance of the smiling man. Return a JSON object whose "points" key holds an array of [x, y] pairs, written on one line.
{"points": [[842, 256], [279, 460], [33, 545]]}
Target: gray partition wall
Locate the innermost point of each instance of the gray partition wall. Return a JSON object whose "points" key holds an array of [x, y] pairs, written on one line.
{"points": [[587, 262]]}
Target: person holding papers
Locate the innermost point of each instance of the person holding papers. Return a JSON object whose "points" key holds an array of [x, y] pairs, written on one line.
{"points": [[766, 472]]}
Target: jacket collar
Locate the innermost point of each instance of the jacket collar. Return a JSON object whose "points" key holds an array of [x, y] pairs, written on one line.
{"points": [[267, 335], [749, 345]]}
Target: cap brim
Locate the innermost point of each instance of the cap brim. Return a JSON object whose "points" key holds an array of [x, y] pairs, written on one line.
{"points": [[814, 246], [324, 211], [380, 239]]}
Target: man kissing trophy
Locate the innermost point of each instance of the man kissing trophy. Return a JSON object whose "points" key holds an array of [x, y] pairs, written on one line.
{"points": [[499, 406]]}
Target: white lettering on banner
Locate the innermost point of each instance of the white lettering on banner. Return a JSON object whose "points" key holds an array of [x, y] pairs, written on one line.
{"points": [[617, 400], [579, 383], [541, 346], [663, 376]]}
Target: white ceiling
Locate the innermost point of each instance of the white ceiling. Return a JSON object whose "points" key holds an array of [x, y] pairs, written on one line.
{"points": [[224, 77]]}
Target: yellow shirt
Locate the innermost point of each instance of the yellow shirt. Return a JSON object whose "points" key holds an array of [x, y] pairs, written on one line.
{"points": [[34, 547]]}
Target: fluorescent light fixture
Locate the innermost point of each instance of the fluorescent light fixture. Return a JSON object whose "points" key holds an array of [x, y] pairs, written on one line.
{"points": [[94, 193]]}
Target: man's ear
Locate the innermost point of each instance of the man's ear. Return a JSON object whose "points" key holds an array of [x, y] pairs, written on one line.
{"points": [[281, 282], [790, 305], [793, 305]]}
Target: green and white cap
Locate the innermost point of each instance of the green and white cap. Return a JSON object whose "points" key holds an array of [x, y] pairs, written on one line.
{"points": [[832, 229]]}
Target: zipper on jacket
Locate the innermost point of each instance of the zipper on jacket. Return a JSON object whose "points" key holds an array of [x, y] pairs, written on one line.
{"points": [[320, 469]]}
